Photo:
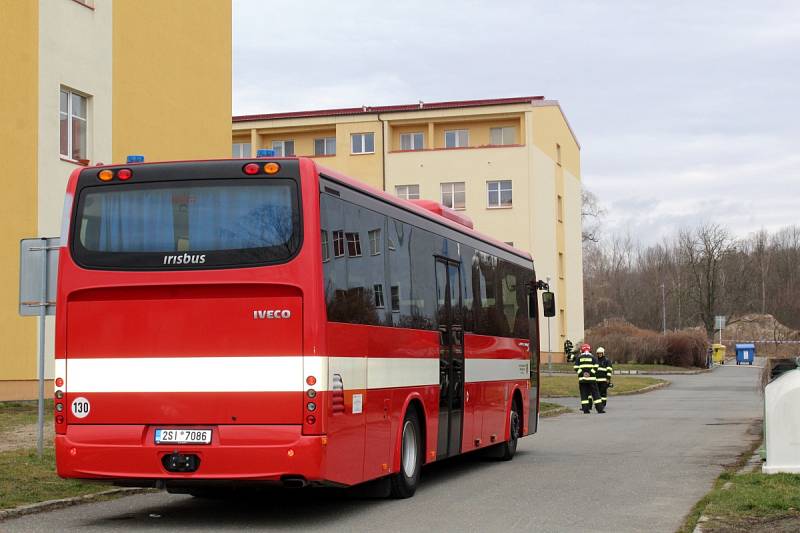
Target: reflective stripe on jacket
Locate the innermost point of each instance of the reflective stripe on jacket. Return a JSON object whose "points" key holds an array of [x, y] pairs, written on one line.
{"points": [[586, 367], [604, 369]]}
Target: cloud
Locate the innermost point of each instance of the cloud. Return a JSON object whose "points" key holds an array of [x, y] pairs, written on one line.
{"points": [[686, 111]]}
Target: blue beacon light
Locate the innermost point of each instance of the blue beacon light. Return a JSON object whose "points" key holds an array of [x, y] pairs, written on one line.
{"points": [[265, 152], [135, 159]]}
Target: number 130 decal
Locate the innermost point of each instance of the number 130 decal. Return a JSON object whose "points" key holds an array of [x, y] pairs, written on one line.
{"points": [[80, 407]]}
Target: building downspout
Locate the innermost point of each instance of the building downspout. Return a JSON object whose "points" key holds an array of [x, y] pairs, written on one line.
{"points": [[384, 150]]}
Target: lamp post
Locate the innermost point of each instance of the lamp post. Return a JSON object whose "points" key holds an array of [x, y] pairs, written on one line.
{"points": [[663, 311]]}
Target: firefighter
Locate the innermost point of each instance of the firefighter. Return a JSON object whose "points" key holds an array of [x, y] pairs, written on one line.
{"points": [[604, 371], [586, 368], [568, 347]]}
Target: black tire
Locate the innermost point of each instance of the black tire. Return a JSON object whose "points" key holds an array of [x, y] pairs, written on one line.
{"points": [[509, 448], [404, 483]]}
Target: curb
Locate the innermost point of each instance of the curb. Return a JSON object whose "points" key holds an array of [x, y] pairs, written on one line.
{"points": [[51, 505], [649, 388], [555, 412]]}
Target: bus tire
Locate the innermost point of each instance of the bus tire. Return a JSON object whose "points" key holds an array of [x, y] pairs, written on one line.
{"points": [[509, 448], [404, 483]]}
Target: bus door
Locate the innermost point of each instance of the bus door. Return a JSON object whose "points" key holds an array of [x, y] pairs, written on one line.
{"points": [[451, 357]]}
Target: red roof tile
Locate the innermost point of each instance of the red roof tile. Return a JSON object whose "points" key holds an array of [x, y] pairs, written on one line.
{"points": [[422, 106]]}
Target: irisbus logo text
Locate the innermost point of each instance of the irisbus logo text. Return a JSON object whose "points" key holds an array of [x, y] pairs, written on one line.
{"points": [[185, 259], [261, 314]]}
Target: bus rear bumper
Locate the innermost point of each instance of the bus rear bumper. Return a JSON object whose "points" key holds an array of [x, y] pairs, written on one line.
{"points": [[236, 453]]}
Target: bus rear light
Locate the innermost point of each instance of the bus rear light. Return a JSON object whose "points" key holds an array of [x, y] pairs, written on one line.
{"points": [[105, 175], [311, 381], [59, 394], [311, 419], [59, 382], [311, 406], [271, 168], [124, 174], [59, 407], [59, 419], [251, 168], [311, 393]]}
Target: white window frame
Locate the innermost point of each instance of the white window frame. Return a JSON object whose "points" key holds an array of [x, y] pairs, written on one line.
{"points": [[338, 237], [406, 191], [326, 253], [280, 148], [239, 150], [377, 290], [362, 142], [70, 117], [461, 137], [412, 138], [504, 132], [451, 194], [353, 238], [499, 189], [325, 150], [374, 242]]}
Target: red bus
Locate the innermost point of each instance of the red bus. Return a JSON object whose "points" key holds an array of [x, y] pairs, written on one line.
{"points": [[272, 321]]}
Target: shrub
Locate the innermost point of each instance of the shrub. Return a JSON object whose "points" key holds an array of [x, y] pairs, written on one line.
{"points": [[625, 343]]}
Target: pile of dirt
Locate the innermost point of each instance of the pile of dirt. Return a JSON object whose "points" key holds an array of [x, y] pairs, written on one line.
{"points": [[757, 327]]}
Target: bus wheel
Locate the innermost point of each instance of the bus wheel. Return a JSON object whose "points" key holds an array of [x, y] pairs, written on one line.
{"points": [[404, 483], [509, 448]]}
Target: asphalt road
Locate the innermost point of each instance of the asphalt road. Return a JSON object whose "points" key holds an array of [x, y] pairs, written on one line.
{"points": [[640, 467]]}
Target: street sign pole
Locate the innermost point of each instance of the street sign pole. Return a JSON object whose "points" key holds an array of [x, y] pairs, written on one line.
{"points": [[549, 347], [38, 265]]}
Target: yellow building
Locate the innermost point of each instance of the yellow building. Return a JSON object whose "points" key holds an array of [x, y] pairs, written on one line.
{"points": [[88, 81], [512, 164]]}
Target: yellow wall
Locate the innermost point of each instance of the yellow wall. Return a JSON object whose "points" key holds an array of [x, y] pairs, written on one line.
{"points": [[19, 93], [549, 129], [303, 140], [172, 79]]}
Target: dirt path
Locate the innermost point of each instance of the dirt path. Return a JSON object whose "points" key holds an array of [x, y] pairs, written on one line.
{"points": [[25, 437]]}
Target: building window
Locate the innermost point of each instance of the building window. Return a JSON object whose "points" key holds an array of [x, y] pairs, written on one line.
{"points": [[407, 192], [377, 290], [326, 255], [456, 138], [73, 122], [453, 195], [283, 148], [558, 154], [412, 141], [325, 146], [363, 143], [560, 208], [561, 265], [241, 150], [395, 298], [353, 244], [375, 242], [503, 135], [499, 193], [510, 243], [338, 243]]}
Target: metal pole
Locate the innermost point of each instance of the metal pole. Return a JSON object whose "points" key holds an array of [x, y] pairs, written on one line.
{"points": [[42, 317], [549, 347], [663, 311]]}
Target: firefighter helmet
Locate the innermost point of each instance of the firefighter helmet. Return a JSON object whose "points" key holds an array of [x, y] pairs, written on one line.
{"points": [[601, 350], [585, 348]]}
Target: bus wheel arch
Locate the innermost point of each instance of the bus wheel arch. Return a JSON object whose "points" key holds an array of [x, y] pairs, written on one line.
{"points": [[516, 398]]}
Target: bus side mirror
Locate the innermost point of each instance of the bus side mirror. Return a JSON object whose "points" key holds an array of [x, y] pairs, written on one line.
{"points": [[548, 304]]}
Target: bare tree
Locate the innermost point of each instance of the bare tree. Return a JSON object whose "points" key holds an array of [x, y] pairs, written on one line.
{"points": [[591, 216], [703, 252]]}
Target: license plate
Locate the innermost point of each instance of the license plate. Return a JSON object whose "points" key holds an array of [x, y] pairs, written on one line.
{"points": [[183, 436]]}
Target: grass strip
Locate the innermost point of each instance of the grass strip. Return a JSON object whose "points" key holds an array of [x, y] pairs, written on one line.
{"points": [[555, 386], [16, 414], [641, 367], [26, 478], [548, 409]]}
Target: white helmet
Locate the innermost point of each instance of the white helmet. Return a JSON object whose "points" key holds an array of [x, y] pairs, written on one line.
{"points": [[600, 350]]}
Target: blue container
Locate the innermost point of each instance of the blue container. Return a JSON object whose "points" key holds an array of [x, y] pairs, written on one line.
{"points": [[745, 353]]}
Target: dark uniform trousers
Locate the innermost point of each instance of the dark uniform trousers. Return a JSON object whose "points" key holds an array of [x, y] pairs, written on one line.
{"points": [[586, 368], [604, 371]]}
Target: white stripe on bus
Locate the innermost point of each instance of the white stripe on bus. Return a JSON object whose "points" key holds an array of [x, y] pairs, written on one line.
{"points": [[268, 374]]}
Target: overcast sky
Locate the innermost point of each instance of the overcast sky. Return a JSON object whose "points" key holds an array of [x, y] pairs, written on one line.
{"points": [[685, 111]]}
